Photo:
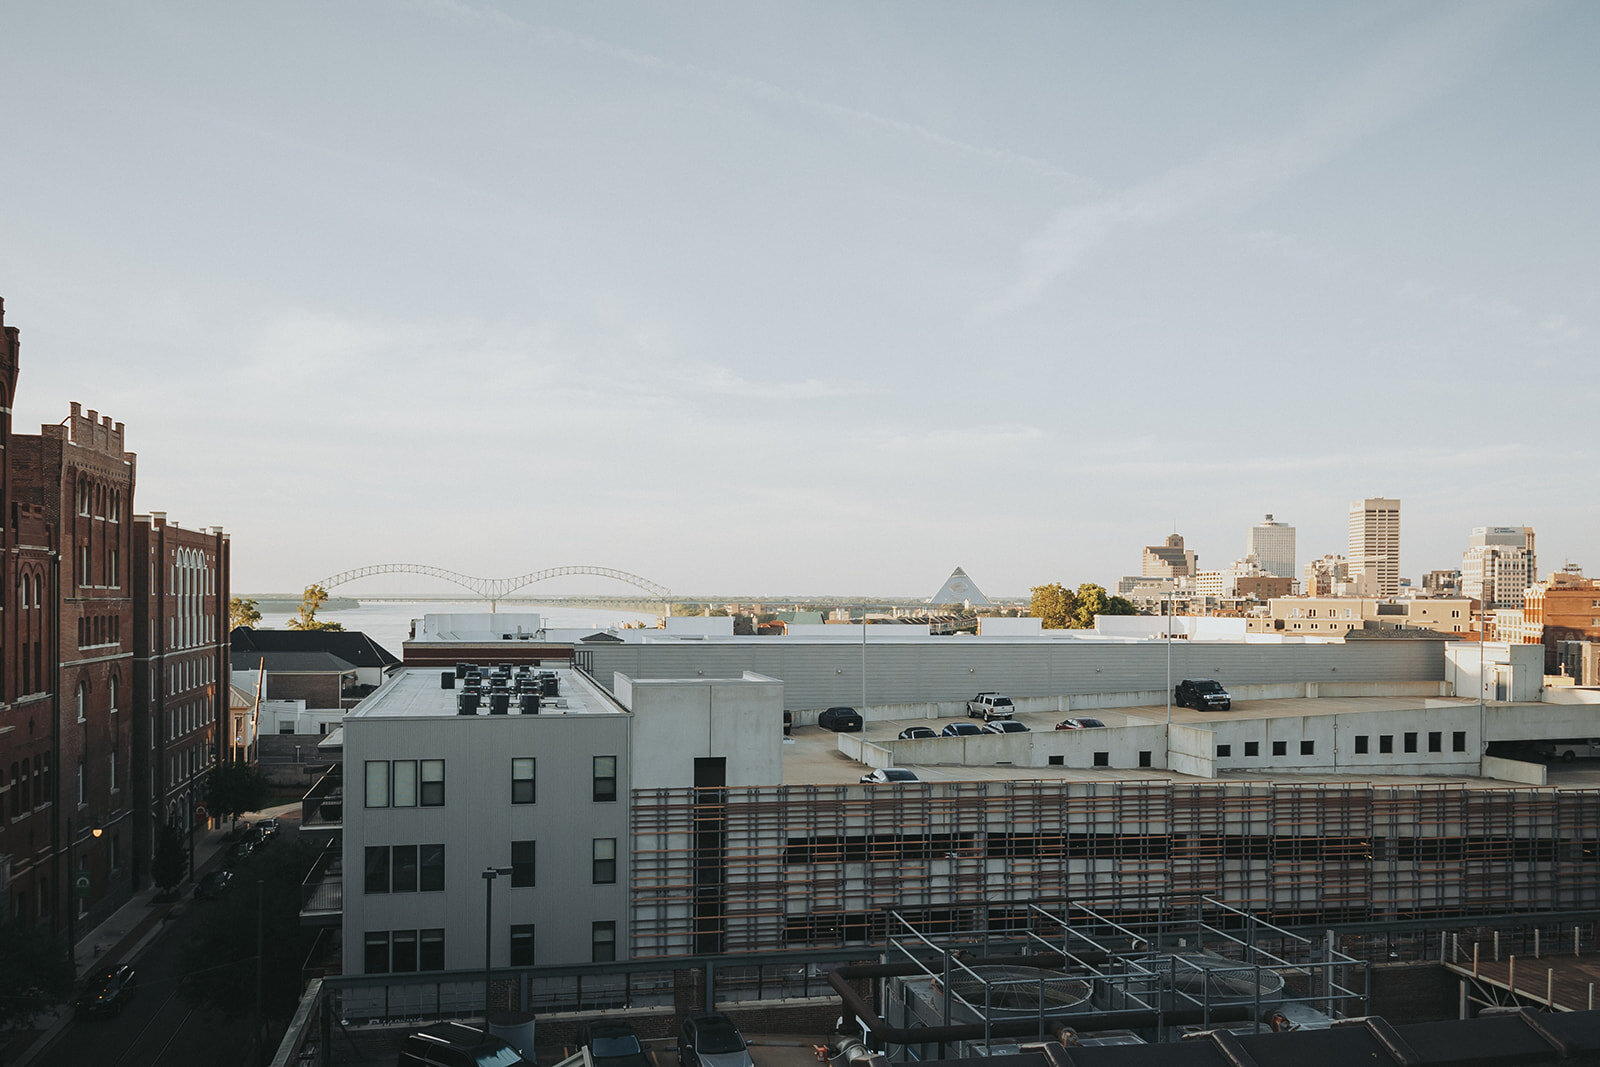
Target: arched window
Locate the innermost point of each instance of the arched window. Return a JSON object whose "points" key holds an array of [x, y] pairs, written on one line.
{"points": [[111, 691], [83, 701]]}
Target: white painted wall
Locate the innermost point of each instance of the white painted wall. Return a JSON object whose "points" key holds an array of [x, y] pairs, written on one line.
{"points": [[700, 625], [1025, 626], [1509, 671], [676, 720]]}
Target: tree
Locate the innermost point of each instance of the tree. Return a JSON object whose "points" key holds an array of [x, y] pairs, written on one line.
{"points": [[310, 603], [1054, 604], [36, 976], [242, 612], [169, 864], [1093, 600], [234, 788], [219, 959]]}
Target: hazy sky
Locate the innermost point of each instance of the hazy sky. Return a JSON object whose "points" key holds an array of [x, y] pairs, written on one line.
{"points": [[761, 297]]}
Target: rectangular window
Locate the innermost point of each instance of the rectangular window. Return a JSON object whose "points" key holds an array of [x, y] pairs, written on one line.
{"points": [[405, 783], [522, 782], [1308, 748], [1102, 759], [377, 868], [1386, 743], [432, 783], [1435, 741], [604, 942], [1252, 748], [430, 951], [605, 861], [522, 865], [605, 778], [1058, 761], [1361, 744], [1224, 751], [430, 865], [403, 954], [1411, 741], [522, 946], [1280, 748], [377, 961], [405, 869], [1144, 758], [378, 784], [1458, 741]]}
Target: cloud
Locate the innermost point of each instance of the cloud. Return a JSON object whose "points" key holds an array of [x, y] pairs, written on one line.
{"points": [[1416, 67]]}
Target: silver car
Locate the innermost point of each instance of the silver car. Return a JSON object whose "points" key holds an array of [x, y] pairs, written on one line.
{"points": [[709, 1039]]}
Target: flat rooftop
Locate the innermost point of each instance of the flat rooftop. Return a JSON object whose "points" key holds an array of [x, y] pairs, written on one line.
{"points": [[415, 693]]}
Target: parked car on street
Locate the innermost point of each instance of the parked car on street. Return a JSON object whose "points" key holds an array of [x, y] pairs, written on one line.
{"points": [[213, 885], [1004, 726], [458, 1045], [961, 729], [911, 733], [107, 993], [709, 1039], [613, 1045], [1201, 694], [989, 706], [840, 720], [268, 826], [889, 775], [241, 850]]}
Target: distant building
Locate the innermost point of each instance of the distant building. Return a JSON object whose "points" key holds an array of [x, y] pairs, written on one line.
{"points": [[1321, 616], [1273, 544], [959, 589], [1331, 576], [1564, 607], [1170, 560], [1374, 543], [1499, 565], [1441, 583]]}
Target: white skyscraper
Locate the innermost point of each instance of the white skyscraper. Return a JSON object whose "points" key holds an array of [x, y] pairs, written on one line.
{"points": [[1375, 543], [1273, 544], [1499, 565]]}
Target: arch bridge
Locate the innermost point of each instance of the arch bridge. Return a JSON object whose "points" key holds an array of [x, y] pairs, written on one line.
{"points": [[496, 589]]}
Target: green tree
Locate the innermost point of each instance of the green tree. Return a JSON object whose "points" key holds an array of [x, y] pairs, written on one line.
{"points": [[688, 609], [36, 976], [233, 788], [219, 959], [242, 612], [170, 862], [310, 603], [1093, 600], [1054, 604]]}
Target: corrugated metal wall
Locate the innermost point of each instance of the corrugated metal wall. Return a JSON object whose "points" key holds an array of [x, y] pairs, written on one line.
{"points": [[821, 675]]}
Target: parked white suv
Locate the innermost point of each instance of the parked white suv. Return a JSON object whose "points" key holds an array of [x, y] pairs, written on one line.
{"points": [[989, 706]]}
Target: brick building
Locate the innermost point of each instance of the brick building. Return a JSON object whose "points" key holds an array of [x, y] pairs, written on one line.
{"points": [[1563, 608], [180, 668]]}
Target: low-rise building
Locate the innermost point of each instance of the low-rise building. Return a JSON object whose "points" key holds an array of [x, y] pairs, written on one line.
{"points": [[1337, 615]]}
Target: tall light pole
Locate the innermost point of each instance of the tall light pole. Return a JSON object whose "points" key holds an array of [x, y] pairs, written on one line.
{"points": [[72, 897], [1171, 594], [863, 661], [489, 875]]}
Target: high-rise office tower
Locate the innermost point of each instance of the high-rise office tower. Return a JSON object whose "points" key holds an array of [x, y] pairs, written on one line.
{"points": [[1273, 544], [1375, 543], [1499, 565]]}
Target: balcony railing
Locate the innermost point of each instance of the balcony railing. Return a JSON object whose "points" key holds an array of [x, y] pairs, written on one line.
{"points": [[322, 892], [323, 807]]}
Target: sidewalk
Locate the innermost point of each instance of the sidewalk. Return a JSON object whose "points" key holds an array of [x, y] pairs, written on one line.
{"points": [[123, 934]]}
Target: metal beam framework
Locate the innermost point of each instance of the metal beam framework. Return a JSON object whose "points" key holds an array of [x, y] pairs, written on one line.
{"points": [[493, 589]]}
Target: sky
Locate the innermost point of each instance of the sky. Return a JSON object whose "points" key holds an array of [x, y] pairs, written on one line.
{"points": [[826, 298]]}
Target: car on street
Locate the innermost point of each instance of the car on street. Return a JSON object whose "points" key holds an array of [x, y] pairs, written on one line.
{"points": [[108, 992], [1004, 726], [961, 729], [213, 885], [840, 720], [990, 706], [268, 826], [1201, 694], [613, 1045], [709, 1039], [1079, 724], [912, 733], [457, 1045], [241, 850], [889, 775]]}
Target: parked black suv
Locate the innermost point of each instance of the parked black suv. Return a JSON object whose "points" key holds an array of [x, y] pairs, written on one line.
{"points": [[1202, 695], [840, 720]]}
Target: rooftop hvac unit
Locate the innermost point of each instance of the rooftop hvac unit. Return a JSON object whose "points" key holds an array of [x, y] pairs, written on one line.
{"points": [[499, 703], [447, 679], [467, 703], [528, 703], [461, 670], [1019, 992], [549, 685]]}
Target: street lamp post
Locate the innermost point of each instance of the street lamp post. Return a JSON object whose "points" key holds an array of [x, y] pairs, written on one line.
{"points": [[489, 875], [72, 897]]}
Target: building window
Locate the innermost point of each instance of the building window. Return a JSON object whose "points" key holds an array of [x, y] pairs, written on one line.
{"points": [[605, 778], [1102, 759], [404, 777], [1144, 758], [1308, 748], [1361, 744], [522, 945], [522, 864], [377, 961], [377, 783], [403, 951], [604, 942], [1058, 761], [83, 701], [1385, 743], [377, 869], [430, 865], [605, 861], [432, 783], [1435, 741], [1224, 751], [404, 869], [1280, 748], [1458, 741], [1252, 748], [522, 781], [1411, 741], [430, 953]]}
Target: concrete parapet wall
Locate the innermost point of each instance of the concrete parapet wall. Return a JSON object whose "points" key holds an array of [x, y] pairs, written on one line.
{"points": [[1513, 770]]}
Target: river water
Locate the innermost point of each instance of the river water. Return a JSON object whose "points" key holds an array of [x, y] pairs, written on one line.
{"points": [[389, 624]]}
